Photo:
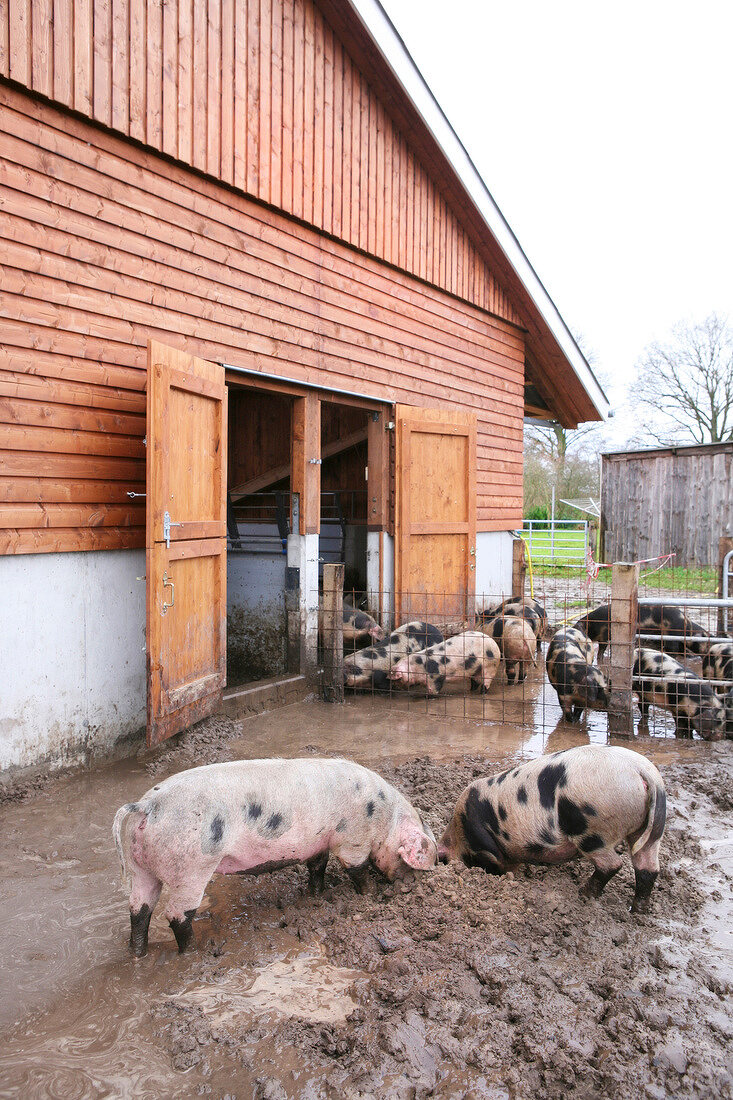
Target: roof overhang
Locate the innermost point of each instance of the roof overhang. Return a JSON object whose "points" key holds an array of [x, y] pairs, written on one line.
{"points": [[555, 364]]}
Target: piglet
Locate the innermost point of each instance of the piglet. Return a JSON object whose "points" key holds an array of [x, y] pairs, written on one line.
{"points": [[517, 643], [581, 801], [661, 681], [369, 668], [249, 816], [570, 670], [471, 656]]}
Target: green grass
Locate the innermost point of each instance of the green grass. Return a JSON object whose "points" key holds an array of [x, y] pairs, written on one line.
{"points": [[692, 582]]}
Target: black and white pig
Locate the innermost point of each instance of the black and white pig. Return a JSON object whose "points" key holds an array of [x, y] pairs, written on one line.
{"points": [[249, 816], [570, 670], [517, 644], [717, 664], [370, 667], [581, 801], [523, 607], [358, 627], [471, 656], [661, 681], [670, 622]]}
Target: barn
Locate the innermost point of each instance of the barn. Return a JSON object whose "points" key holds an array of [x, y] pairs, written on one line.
{"points": [[667, 500], [258, 312]]}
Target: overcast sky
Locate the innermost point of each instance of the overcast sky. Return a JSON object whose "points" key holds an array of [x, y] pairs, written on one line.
{"points": [[604, 133]]}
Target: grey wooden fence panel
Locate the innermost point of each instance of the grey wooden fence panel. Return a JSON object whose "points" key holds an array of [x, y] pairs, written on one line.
{"points": [[677, 500]]}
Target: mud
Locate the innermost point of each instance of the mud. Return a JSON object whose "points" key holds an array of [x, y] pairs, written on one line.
{"points": [[447, 984]]}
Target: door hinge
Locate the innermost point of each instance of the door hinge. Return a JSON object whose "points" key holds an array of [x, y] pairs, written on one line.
{"points": [[315, 461], [168, 584]]}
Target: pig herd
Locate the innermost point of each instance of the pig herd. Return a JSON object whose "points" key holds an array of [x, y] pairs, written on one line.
{"points": [[509, 635], [251, 816]]}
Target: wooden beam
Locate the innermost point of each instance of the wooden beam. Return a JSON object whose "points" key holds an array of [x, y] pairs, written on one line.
{"points": [[271, 477], [305, 478], [377, 472]]}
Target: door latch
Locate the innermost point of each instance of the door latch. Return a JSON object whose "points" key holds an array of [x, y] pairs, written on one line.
{"points": [[167, 528], [168, 584]]}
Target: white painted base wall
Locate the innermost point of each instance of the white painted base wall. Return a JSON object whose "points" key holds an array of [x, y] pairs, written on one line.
{"points": [[493, 567], [72, 654]]}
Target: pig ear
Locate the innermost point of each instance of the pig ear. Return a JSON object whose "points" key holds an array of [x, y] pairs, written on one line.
{"points": [[416, 847]]}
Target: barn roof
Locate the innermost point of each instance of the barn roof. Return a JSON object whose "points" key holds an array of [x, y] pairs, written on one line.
{"points": [[560, 382]]}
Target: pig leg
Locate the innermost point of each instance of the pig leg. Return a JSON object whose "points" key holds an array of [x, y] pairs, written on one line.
{"points": [[646, 868], [317, 872], [607, 863], [360, 877], [143, 897], [183, 902]]}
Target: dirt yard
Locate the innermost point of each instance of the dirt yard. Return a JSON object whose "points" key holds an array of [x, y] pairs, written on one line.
{"points": [[450, 984]]}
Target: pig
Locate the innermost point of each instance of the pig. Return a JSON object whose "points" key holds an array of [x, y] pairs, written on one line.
{"points": [[659, 680], [717, 664], [249, 816], [523, 607], [358, 627], [469, 656], [370, 667], [517, 644], [581, 801], [570, 670], [670, 622], [729, 714]]}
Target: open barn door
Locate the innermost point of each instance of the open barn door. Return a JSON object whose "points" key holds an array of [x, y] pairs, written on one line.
{"points": [[185, 539], [435, 516]]}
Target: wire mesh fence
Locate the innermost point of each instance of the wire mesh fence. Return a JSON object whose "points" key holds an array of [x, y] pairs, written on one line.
{"points": [[614, 655]]}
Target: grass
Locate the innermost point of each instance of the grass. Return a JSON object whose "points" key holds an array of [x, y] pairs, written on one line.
{"points": [[569, 544], [690, 581]]}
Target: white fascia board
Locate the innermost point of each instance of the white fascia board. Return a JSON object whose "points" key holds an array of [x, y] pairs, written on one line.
{"points": [[393, 50]]}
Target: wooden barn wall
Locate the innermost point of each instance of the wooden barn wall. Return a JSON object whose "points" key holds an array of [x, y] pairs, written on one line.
{"points": [[105, 246], [259, 94], [667, 503]]}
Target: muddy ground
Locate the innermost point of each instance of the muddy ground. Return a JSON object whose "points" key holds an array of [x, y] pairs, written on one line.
{"points": [[447, 984]]}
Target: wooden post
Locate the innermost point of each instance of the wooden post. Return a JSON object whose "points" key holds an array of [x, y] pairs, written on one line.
{"points": [[333, 633], [624, 617], [725, 615], [519, 568]]}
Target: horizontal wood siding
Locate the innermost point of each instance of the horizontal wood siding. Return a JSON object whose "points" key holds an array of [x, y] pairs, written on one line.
{"points": [[670, 502], [259, 94], [105, 246]]}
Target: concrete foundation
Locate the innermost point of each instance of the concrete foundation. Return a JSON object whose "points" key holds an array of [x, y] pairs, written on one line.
{"points": [[72, 653]]}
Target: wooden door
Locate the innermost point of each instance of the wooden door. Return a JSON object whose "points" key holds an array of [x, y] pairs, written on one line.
{"points": [[435, 516], [185, 539]]}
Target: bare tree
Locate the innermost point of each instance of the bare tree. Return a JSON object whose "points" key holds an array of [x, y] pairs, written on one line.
{"points": [[686, 385]]}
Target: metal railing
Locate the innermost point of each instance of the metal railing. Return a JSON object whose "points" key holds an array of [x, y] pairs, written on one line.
{"points": [[561, 541]]}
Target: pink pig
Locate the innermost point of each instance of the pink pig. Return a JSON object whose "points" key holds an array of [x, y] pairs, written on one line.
{"points": [[249, 816]]}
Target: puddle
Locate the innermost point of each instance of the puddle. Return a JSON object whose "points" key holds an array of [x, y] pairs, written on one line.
{"points": [[304, 986]]}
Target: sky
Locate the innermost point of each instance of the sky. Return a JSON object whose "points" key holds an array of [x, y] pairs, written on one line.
{"points": [[604, 133]]}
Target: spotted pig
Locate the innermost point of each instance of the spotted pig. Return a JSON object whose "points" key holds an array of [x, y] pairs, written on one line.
{"points": [[717, 664], [661, 681], [523, 607], [248, 816], [517, 644], [580, 801], [358, 626], [570, 670], [671, 624], [469, 656], [370, 667]]}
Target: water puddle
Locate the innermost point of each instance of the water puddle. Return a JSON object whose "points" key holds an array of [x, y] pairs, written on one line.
{"points": [[303, 986]]}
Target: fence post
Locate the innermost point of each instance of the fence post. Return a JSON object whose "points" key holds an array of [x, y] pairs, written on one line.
{"points": [[624, 617], [333, 633], [519, 568], [725, 615]]}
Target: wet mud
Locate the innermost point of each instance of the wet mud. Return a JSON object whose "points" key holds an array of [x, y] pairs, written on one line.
{"points": [[450, 984]]}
